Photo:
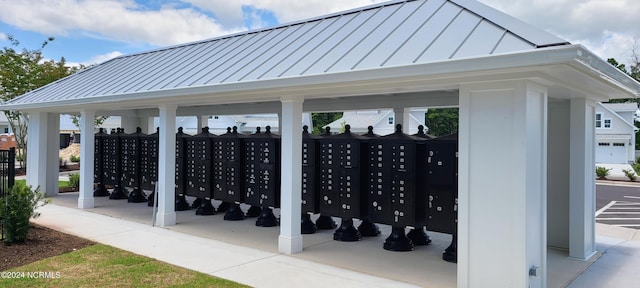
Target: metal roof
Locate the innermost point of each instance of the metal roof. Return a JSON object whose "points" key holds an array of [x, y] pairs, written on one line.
{"points": [[396, 33]]}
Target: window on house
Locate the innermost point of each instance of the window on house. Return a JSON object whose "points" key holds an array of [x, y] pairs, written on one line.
{"points": [[390, 120], [598, 120], [618, 144], [607, 123], [603, 144], [6, 130]]}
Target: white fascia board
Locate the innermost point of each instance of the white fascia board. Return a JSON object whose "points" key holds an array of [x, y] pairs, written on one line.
{"points": [[410, 78]]}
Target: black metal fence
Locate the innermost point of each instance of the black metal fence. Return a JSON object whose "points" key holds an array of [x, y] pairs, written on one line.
{"points": [[7, 177]]}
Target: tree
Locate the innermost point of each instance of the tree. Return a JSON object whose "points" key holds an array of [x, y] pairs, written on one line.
{"points": [[322, 119], [75, 119], [442, 121], [21, 72]]}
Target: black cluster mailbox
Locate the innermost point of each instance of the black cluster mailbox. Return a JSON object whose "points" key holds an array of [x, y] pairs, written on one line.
{"points": [[98, 165], [112, 166], [199, 169], [396, 185], [262, 174], [442, 187], [342, 177], [149, 160], [228, 164], [310, 173], [131, 168], [181, 172]]}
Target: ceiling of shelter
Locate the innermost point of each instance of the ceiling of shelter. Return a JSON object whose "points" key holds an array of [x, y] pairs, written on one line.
{"points": [[326, 49]]}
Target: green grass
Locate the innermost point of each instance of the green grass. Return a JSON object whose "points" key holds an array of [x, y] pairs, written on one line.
{"points": [[104, 266], [60, 183]]}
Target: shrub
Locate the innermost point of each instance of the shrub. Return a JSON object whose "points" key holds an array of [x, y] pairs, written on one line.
{"points": [[74, 180], [16, 208], [74, 158], [630, 174], [602, 172]]}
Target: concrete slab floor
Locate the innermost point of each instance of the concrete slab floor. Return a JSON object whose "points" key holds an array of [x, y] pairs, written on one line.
{"points": [[422, 267]]}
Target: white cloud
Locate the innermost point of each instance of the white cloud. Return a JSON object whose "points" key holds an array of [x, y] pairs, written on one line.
{"points": [[120, 20], [102, 58], [230, 12], [604, 26], [3, 36]]}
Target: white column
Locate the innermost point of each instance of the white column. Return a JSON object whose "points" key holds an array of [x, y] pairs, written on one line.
{"points": [[558, 174], [166, 215], [402, 116], [85, 199], [290, 240], [150, 125], [129, 123], [582, 180], [502, 185], [203, 121], [43, 145]]}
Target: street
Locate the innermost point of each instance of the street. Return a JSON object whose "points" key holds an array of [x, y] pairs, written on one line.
{"points": [[618, 205]]}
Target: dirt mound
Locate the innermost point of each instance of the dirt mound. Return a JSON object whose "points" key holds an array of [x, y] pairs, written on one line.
{"points": [[73, 149]]}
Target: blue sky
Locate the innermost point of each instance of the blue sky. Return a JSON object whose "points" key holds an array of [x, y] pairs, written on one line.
{"points": [[91, 31]]}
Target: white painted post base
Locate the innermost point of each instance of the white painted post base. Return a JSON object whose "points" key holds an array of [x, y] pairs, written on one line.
{"points": [[86, 203], [290, 245], [166, 219]]}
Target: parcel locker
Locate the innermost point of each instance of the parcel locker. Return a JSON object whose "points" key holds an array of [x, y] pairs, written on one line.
{"points": [[442, 183]]}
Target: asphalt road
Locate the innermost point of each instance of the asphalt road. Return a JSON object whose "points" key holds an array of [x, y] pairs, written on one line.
{"points": [[618, 205]]}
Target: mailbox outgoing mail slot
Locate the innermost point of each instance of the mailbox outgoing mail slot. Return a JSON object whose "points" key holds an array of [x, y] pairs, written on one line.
{"points": [[442, 183]]}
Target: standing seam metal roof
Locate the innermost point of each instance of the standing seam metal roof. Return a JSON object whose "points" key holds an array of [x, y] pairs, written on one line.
{"points": [[390, 34]]}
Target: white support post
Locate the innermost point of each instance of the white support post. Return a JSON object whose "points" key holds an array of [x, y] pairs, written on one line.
{"points": [[203, 121], [582, 180], [558, 179], [166, 215], [502, 185], [85, 199], [150, 125], [402, 116], [290, 240], [129, 124], [43, 146]]}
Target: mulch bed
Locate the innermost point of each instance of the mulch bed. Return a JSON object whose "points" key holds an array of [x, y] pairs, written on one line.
{"points": [[41, 243]]}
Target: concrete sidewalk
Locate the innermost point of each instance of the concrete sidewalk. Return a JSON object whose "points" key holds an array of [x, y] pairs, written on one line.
{"points": [[616, 265], [249, 266]]}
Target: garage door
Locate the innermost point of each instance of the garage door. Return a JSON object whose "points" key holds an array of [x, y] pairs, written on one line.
{"points": [[611, 153]]}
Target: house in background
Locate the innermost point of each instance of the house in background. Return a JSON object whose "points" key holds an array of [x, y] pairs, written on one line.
{"points": [[247, 124], [615, 133], [383, 121]]}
